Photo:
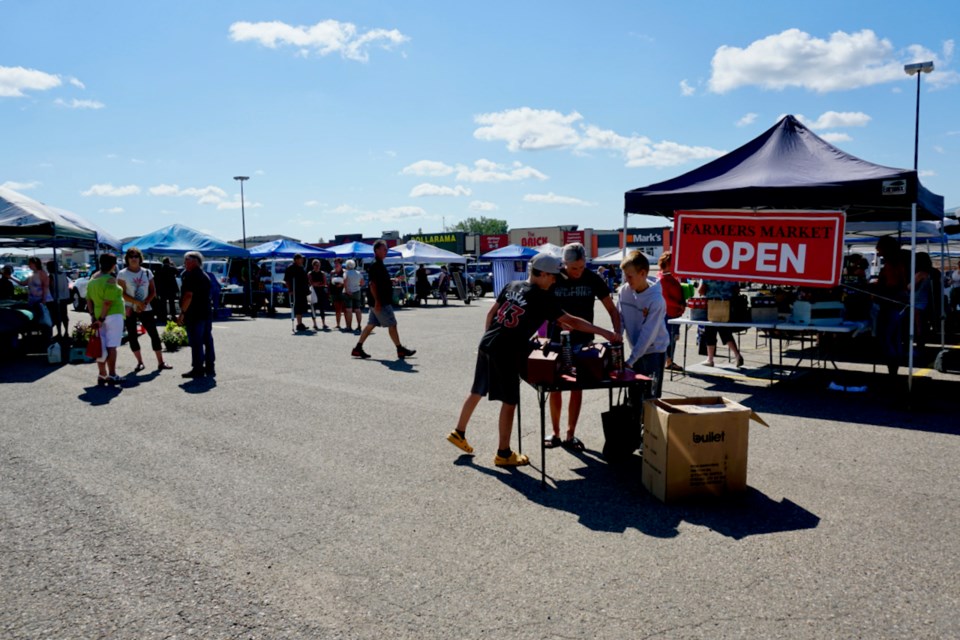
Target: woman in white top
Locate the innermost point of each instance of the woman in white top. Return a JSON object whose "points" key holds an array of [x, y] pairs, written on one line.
{"points": [[352, 287], [138, 291]]}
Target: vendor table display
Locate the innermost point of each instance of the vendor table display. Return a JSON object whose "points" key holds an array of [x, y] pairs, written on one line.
{"points": [[625, 380]]}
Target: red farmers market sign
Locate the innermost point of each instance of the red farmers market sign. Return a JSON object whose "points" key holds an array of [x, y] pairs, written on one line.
{"points": [[803, 248]]}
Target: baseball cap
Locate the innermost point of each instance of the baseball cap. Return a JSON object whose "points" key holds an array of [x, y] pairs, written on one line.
{"points": [[546, 263]]}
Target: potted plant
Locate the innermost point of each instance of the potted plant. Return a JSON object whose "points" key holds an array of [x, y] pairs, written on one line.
{"points": [[79, 337], [174, 336]]}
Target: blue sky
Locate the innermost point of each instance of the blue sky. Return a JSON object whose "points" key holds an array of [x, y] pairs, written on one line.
{"points": [[360, 117]]}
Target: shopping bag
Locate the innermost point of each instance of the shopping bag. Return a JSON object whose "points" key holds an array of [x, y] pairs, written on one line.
{"points": [[621, 432], [313, 296], [45, 318], [95, 347]]}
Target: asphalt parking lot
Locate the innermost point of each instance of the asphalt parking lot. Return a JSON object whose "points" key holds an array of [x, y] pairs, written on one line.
{"points": [[305, 494]]}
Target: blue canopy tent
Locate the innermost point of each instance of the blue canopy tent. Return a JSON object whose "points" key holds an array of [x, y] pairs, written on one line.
{"points": [[178, 239], [284, 248], [509, 264], [790, 167], [359, 251]]}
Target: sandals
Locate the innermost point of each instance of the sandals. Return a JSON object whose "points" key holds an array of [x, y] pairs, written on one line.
{"points": [[673, 366], [163, 366], [574, 444], [459, 441], [140, 367], [551, 442], [513, 460]]}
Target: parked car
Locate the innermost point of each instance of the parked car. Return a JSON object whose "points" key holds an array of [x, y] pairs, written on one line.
{"points": [[481, 274]]}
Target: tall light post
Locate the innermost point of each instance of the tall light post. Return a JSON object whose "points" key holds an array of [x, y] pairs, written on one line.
{"points": [[917, 69], [243, 221]]}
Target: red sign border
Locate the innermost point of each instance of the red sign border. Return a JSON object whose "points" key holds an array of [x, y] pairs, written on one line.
{"points": [[837, 217]]}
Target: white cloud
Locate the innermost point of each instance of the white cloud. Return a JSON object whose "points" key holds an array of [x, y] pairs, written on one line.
{"points": [[747, 119], [79, 104], [15, 80], [76, 83], [21, 186], [686, 89], [640, 151], [112, 191], [939, 149], [482, 205], [113, 210], [552, 198], [794, 58], [235, 204], [427, 168], [312, 203], [528, 129], [488, 171], [427, 189], [836, 120], [926, 173], [834, 137], [323, 38], [531, 129], [205, 195], [137, 161], [394, 213]]}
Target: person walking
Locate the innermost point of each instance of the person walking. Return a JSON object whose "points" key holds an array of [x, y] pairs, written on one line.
{"points": [[196, 316], [105, 305], [443, 284], [295, 278], [165, 281], [60, 291], [353, 294], [576, 290], [520, 309], [139, 291], [381, 313], [318, 282]]}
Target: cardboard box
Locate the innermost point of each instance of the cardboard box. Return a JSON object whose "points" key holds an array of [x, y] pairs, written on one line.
{"points": [[718, 310], [695, 447], [543, 368], [817, 313], [591, 362]]}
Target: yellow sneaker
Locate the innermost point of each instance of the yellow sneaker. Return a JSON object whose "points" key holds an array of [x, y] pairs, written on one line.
{"points": [[513, 460], [459, 441]]}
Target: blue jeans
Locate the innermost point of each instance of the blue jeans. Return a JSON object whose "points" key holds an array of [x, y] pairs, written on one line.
{"points": [[200, 335], [651, 365]]}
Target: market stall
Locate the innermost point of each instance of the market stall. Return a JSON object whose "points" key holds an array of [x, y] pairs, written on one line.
{"points": [[789, 168], [509, 264]]}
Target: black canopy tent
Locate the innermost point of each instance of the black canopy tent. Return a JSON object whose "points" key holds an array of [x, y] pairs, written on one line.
{"points": [[790, 167]]}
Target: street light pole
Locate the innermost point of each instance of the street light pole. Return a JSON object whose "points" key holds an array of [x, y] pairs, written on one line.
{"points": [[243, 221], [919, 69]]}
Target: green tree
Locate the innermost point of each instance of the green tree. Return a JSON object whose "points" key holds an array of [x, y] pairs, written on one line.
{"points": [[484, 226]]}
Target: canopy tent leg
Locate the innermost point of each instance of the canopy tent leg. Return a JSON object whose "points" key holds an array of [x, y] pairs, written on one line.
{"points": [[940, 362]]}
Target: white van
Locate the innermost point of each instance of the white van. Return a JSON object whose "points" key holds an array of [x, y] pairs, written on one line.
{"points": [[218, 268]]}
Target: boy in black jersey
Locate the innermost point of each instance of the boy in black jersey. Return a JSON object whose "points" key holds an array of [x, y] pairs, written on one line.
{"points": [[519, 311]]}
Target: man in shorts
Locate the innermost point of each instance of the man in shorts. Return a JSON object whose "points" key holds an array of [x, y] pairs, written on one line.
{"points": [[520, 309], [381, 313]]}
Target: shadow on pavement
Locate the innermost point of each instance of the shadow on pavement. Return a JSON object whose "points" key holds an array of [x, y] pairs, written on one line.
{"points": [[398, 365], [23, 370], [98, 396], [611, 498], [199, 385], [886, 402]]}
